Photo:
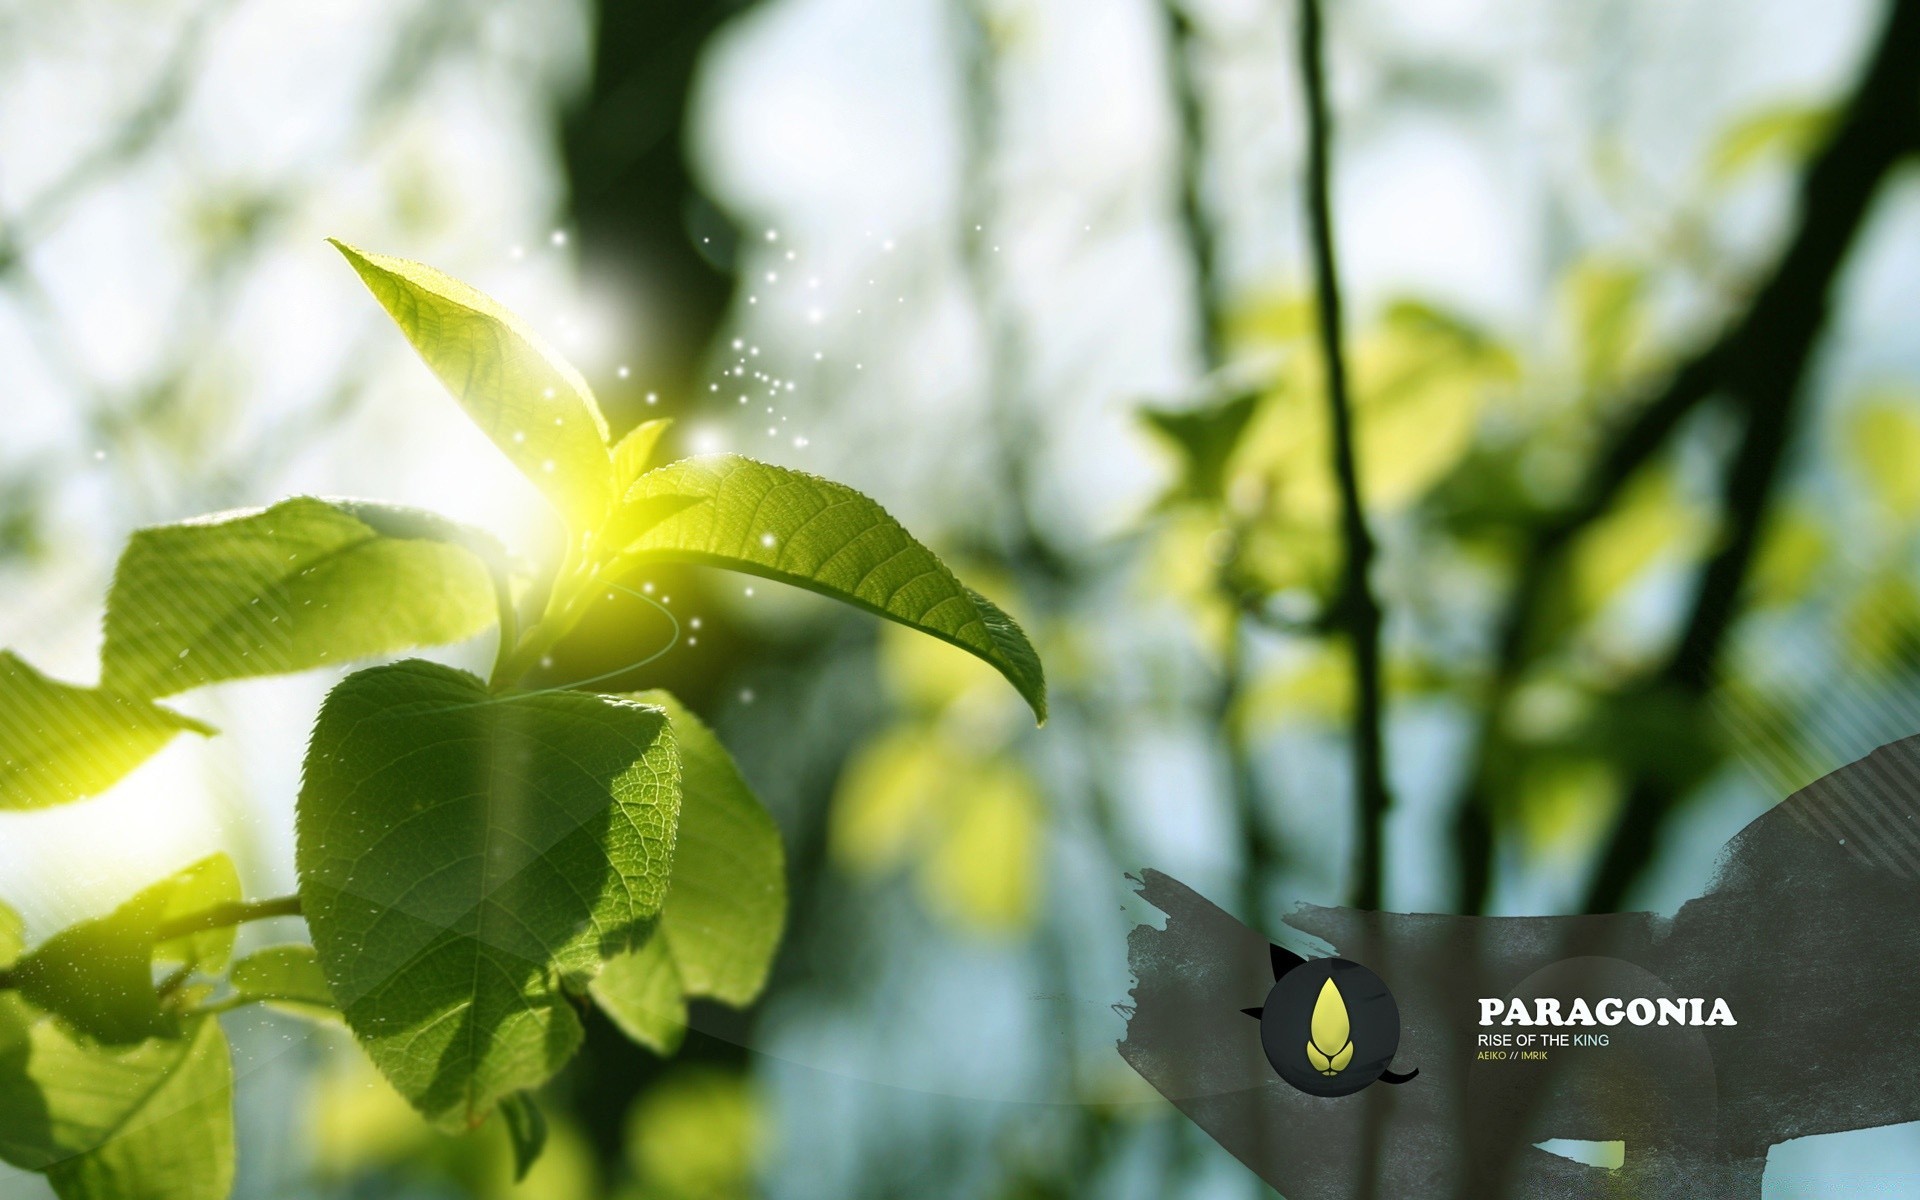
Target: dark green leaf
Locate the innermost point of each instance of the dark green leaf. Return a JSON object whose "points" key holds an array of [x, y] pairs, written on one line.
{"points": [[97, 976], [60, 742], [466, 858], [823, 536], [1206, 438], [526, 1129], [302, 584]]}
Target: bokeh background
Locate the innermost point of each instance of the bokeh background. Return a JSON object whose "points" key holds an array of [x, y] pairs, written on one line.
{"points": [[1034, 274]]}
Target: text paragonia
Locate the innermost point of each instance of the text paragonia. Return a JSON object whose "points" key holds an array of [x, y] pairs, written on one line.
{"points": [[1611, 1011]]}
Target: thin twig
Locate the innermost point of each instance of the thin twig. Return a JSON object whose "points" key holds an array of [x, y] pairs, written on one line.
{"points": [[1358, 608], [1259, 848], [1196, 228]]}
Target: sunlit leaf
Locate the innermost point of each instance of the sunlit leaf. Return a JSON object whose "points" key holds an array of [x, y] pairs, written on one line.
{"points": [[725, 910], [13, 936], [60, 742], [177, 1145], [521, 393], [728, 903], [465, 859], [63, 1098], [634, 453], [302, 584], [97, 975], [212, 881], [823, 536], [641, 993]]}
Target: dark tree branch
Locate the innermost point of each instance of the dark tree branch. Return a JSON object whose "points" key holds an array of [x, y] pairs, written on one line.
{"points": [[1764, 371], [1758, 362], [1359, 609]]}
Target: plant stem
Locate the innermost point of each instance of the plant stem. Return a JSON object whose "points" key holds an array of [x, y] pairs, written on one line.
{"points": [[1183, 69], [221, 916], [1358, 607]]}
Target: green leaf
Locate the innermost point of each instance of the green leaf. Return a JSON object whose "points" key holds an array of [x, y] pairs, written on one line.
{"points": [[60, 742], [526, 1129], [177, 1145], [534, 406], [302, 584], [210, 882], [13, 935], [641, 993], [1206, 438], [728, 903], [722, 921], [284, 977], [823, 536], [466, 859], [635, 451], [62, 1096], [97, 976]]}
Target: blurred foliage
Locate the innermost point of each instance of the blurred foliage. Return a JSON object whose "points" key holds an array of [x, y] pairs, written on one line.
{"points": [[942, 793]]}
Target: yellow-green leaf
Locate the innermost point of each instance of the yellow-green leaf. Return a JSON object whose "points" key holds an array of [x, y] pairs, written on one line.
{"points": [[641, 993], [178, 1145], [13, 935], [521, 393], [60, 742], [828, 538], [212, 881], [62, 1095], [302, 584], [1884, 434]]}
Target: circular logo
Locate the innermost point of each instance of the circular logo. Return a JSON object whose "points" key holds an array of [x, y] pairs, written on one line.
{"points": [[1329, 1026]]}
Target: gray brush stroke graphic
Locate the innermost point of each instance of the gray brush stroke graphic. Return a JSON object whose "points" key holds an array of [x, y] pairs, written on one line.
{"points": [[1810, 930]]}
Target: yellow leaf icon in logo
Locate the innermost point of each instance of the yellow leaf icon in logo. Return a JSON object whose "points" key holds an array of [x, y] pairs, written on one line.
{"points": [[1331, 1047]]}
